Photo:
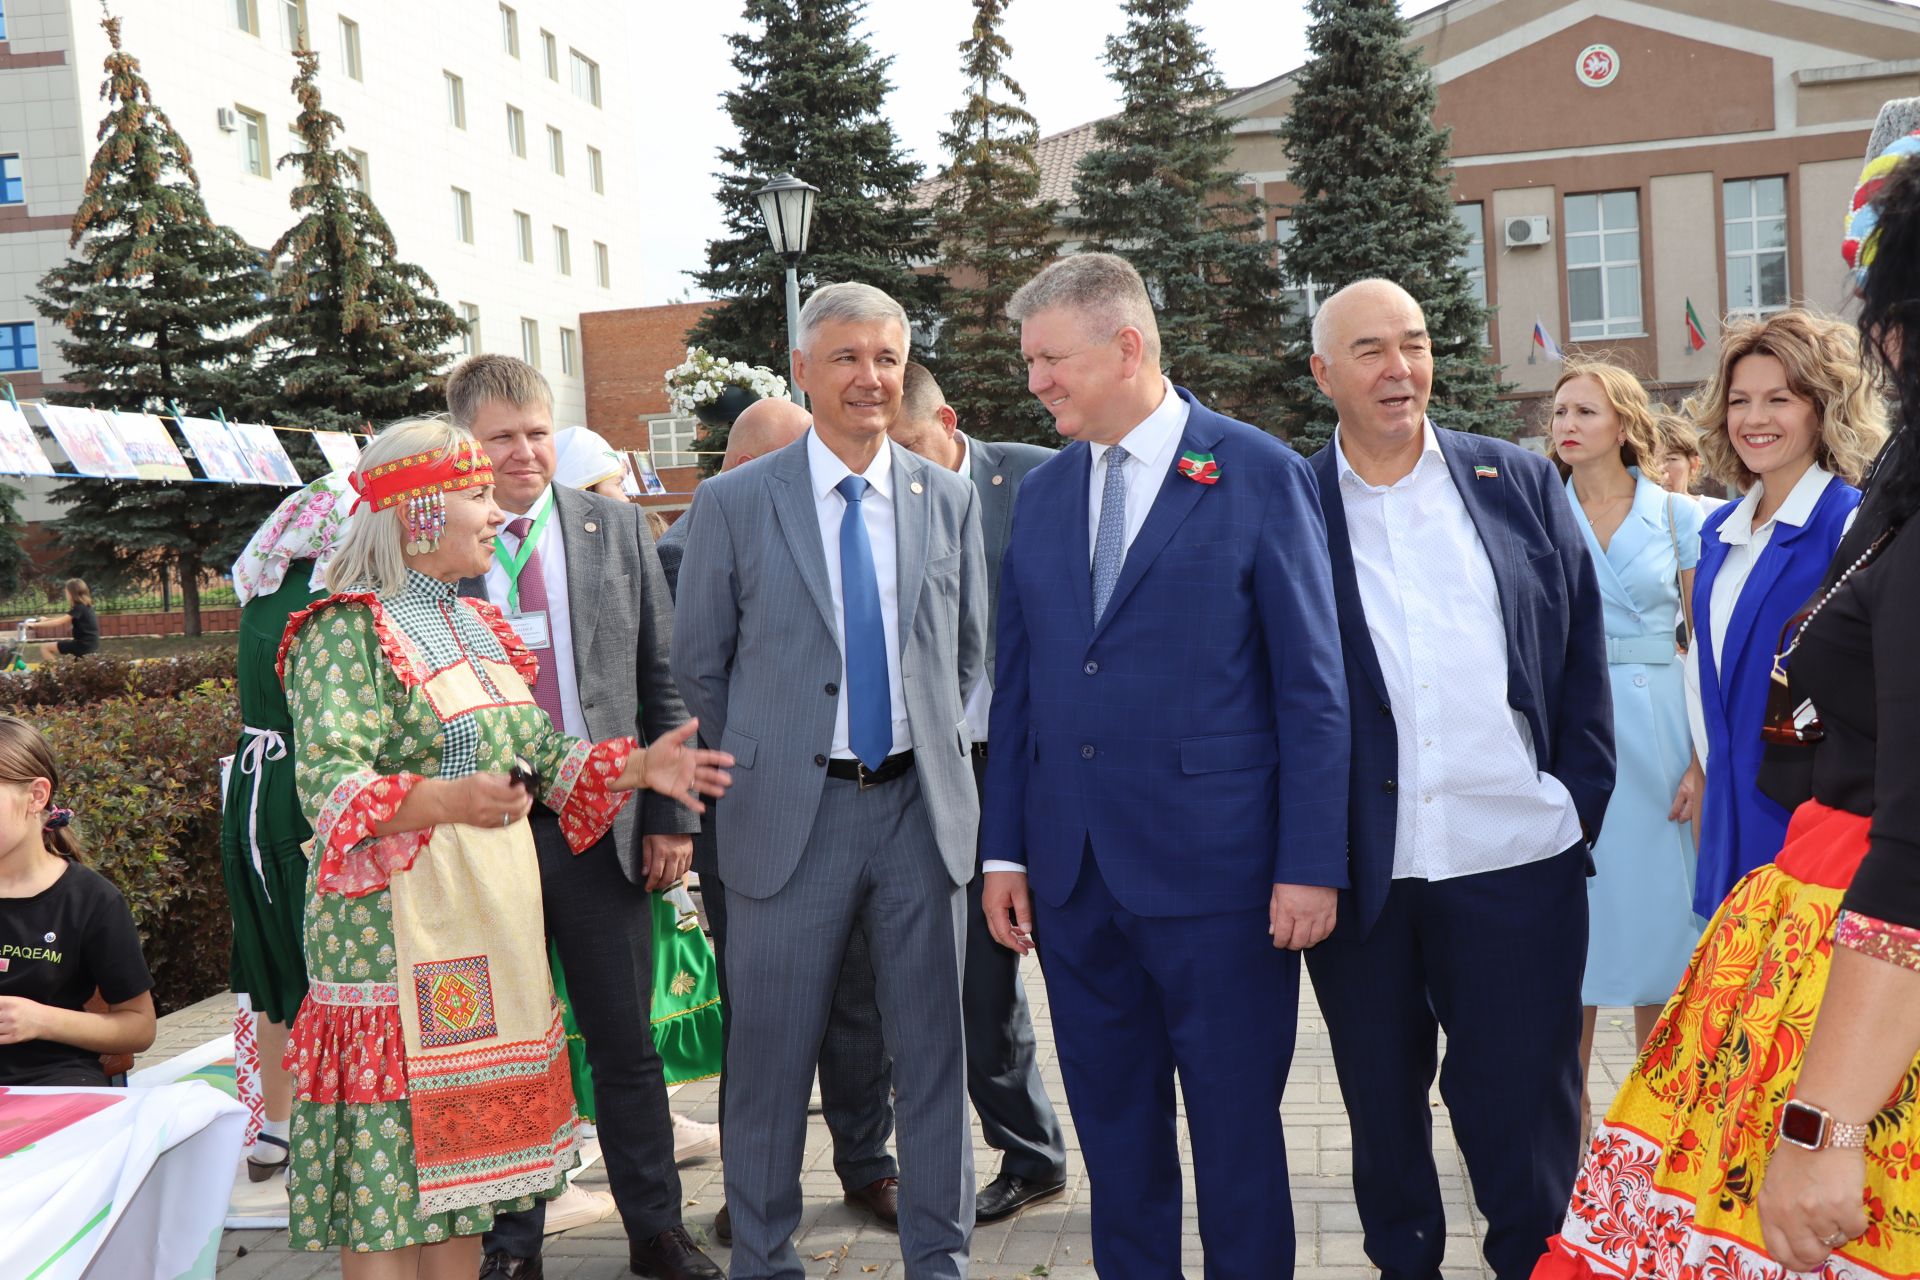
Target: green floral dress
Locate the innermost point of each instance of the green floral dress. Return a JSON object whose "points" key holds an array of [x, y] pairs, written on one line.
{"points": [[429, 1061]]}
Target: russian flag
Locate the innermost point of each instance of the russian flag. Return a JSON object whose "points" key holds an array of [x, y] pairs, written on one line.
{"points": [[1544, 340]]}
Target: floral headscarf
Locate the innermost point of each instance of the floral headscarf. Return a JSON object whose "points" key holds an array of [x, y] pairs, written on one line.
{"points": [[1895, 137], [585, 459], [303, 527]]}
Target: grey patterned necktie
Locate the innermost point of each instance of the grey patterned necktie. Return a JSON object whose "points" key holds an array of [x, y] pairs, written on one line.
{"points": [[1110, 547]]}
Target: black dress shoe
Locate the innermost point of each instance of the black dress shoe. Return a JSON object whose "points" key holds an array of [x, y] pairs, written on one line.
{"points": [[723, 1226], [1009, 1193], [672, 1255], [504, 1266]]}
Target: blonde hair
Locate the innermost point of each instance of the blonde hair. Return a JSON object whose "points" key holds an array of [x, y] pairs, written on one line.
{"points": [[24, 757], [370, 555], [78, 591], [479, 381], [1628, 399], [1103, 289], [1677, 434], [1822, 362]]}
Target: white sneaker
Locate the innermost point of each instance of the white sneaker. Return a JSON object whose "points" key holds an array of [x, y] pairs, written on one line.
{"points": [[692, 1139], [577, 1207]]}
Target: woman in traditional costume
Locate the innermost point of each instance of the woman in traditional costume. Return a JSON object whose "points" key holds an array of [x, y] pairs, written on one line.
{"points": [[430, 1066], [1772, 1124]]}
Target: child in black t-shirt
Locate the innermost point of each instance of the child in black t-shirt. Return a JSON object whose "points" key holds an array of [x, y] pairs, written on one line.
{"points": [[65, 933]]}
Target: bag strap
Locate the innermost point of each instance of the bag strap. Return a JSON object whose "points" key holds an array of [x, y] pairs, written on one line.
{"points": [[1680, 583]]}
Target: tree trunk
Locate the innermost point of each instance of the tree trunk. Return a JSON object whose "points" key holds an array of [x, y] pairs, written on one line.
{"points": [[190, 592]]}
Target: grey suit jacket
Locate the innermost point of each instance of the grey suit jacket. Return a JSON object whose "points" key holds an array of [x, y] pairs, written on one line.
{"points": [[621, 619], [997, 470], [756, 650]]}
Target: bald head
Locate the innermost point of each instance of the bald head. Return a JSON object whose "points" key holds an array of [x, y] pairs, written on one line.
{"points": [[1359, 293], [765, 425], [1373, 358]]}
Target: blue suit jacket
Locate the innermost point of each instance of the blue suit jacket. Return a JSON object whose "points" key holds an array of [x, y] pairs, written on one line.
{"points": [[1556, 650], [1195, 737], [1740, 828]]}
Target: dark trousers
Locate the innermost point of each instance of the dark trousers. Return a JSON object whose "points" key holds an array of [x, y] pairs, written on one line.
{"points": [[1003, 1074], [856, 1075], [1135, 999], [602, 924], [1495, 961]]}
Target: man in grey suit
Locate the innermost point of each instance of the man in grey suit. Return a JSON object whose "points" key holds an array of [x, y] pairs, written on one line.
{"points": [[1003, 1075], [832, 610], [577, 577], [856, 1080]]}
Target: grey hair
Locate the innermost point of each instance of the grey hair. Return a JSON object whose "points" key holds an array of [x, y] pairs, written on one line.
{"points": [[850, 302], [369, 555], [1103, 288]]}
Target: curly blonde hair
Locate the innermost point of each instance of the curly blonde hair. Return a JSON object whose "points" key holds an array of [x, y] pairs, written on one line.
{"points": [[1640, 445], [1822, 362]]}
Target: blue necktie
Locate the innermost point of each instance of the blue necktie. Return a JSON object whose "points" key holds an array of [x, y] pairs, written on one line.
{"points": [[869, 701], [1110, 548]]}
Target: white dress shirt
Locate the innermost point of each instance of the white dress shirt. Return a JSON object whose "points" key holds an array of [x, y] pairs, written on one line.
{"points": [[1471, 797], [1150, 449], [980, 697], [876, 509], [552, 550]]}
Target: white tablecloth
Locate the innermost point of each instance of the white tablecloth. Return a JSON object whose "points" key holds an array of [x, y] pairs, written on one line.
{"points": [[137, 1190]]}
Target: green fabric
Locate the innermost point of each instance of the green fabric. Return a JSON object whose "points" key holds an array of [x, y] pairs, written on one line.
{"points": [[686, 993], [576, 1043], [266, 963]]}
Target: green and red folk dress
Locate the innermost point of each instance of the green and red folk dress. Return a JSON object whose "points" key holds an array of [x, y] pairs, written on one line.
{"points": [[429, 1060]]}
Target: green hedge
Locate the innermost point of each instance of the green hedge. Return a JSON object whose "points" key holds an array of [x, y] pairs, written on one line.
{"points": [[139, 746], [30, 603]]}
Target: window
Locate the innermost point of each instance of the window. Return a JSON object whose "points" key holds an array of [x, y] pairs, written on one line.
{"points": [[13, 185], [3, 19], [602, 267], [596, 175], [462, 216], [523, 235], [470, 317], [456, 100], [556, 151], [510, 31], [361, 179], [670, 441], [1303, 297], [18, 348], [293, 23], [586, 77], [530, 341], [350, 48], [1473, 259], [1756, 213], [517, 132], [253, 141], [246, 16], [1603, 266], [569, 355], [562, 252], [550, 50]]}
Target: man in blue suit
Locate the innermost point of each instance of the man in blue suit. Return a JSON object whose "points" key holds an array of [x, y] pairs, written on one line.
{"points": [[1482, 764], [1169, 769]]}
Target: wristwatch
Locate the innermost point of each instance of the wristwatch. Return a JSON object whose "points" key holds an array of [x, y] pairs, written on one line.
{"points": [[1805, 1125]]}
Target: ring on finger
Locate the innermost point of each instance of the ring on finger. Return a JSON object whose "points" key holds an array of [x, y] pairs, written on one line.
{"points": [[1835, 1240], [506, 819]]}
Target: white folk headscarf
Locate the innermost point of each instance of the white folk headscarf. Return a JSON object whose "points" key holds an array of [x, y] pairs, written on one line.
{"points": [[585, 459], [305, 526]]}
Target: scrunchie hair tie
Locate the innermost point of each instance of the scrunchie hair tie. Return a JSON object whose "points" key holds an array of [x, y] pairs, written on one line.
{"points": [[57, 818]]}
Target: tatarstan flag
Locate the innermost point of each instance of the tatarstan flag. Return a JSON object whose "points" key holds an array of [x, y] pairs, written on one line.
{"points": [[1696, 338]]}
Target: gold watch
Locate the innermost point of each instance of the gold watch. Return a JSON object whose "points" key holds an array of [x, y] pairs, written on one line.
{"points": [[1805, 1125]]}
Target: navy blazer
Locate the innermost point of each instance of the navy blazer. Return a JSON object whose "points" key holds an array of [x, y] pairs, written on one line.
{"points": [[1740, 827], [1195, 737], [1556, 650]]}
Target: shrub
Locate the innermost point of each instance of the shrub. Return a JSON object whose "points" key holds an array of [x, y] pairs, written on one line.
{"points": [[98, 677]]}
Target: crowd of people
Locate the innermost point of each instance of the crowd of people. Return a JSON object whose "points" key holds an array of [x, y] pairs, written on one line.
{"points": [[1486, 739]]}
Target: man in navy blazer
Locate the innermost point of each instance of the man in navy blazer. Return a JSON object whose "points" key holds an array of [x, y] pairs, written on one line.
{"points": [[1482, 763], [1169, 768]]}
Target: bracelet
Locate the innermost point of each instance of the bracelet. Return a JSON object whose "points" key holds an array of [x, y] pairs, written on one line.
{"points": [[1895, 943]]}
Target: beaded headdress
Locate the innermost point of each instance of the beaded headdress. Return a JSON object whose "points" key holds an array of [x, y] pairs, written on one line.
{"points": [[418, 485]]}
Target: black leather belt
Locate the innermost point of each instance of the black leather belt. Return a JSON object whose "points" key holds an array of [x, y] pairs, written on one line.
{"points": [[854, 771], [979, 751]]}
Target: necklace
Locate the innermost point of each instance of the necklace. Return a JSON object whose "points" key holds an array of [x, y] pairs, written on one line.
{"points": [[1873, 548]]}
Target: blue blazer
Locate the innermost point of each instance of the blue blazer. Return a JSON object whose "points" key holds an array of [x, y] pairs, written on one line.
{"points": [[1556, 650], [1740, 828], [1195, 736]]}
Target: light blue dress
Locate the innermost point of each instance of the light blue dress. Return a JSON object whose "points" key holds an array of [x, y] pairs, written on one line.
{"points": [[1641, 928]]}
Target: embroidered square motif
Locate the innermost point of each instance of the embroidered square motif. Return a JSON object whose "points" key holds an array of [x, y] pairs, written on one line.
{"points": [[455, 1001]]}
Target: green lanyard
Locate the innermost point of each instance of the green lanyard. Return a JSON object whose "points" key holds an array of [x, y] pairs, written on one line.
{"points": [[514, 563]]}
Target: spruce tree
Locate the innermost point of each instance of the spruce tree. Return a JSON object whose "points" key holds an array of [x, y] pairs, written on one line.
{"points": [[1159, 189], [154, 307], [995, 232], [1376, 199], [355, 335], [809, 103]]}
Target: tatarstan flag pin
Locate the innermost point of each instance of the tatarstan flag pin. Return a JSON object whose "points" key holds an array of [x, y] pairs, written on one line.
{"points": [[1484, 472], [1200, 468]]}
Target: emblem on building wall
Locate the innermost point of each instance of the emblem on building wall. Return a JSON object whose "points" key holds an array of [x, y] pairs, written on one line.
{"points": [[1597, 65]]}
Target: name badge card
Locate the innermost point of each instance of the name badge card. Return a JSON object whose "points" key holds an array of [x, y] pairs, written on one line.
{"points": [[532, 629]]}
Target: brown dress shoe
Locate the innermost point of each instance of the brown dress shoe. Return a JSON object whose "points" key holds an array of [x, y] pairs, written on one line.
{"points": [[881, 1198]]}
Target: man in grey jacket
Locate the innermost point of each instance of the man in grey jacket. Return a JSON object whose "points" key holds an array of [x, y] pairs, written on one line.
{"points": [[832, 611]]}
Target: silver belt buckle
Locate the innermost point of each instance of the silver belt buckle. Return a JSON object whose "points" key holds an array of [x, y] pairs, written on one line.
{"points": [[864, 775]]}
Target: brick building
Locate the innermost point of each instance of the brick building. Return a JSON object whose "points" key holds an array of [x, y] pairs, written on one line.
{"points": [[625, 356]]}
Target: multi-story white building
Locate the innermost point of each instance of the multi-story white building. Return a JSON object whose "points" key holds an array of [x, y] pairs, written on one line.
{"points": [[494, 138]]}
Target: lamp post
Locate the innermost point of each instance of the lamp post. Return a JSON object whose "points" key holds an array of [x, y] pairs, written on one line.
{"points": [[786, 206]]}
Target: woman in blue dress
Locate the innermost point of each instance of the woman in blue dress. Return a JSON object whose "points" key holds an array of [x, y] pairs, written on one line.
{"points": [[1644, 541]]}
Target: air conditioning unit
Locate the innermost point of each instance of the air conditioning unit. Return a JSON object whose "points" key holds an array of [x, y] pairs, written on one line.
{"points": [[229, 119], [1526, 232]]}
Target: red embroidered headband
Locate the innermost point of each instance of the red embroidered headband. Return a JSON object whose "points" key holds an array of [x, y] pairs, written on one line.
{"points": [[441, 471]]}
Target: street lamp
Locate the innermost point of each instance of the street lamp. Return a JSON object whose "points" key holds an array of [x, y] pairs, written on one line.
{"points": [[786, 206]]}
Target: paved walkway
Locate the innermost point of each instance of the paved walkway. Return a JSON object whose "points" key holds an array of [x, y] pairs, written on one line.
{"points": [[1050, 1240]]}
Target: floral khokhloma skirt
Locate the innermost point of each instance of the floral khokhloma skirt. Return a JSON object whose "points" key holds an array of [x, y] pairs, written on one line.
{"points": [[1671, 1183]]}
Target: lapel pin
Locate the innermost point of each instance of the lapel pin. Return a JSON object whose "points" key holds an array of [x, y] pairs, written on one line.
{"points": [[592, 527], [999, 479], [915, 487], [1199, 467], [1484, 472]]}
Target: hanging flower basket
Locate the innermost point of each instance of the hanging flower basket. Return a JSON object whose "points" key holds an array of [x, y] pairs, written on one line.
{"points": [[716, 390]]}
